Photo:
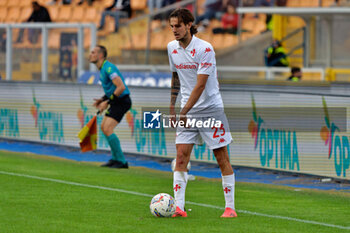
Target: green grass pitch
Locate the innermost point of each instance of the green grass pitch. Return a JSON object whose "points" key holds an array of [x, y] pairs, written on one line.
{"points": [[46, 194]]}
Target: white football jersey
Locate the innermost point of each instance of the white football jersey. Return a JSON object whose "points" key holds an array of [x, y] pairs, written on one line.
{"points": [[197, 58]]}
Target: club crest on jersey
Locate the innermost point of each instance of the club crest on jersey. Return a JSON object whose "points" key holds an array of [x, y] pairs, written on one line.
{"points": [[193, 52], [187, 66], [207, 50], [174, 51]]}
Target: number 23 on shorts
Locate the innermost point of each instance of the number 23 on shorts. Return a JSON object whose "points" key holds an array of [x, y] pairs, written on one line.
{"points": [[216, 133]]}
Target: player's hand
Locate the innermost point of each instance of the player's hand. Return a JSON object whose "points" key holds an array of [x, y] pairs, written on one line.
{"points": [[183, 118], [102, 106], [97, 102]]}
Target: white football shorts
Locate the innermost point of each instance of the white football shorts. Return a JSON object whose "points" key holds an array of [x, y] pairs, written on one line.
{"points": [[214, 136]]}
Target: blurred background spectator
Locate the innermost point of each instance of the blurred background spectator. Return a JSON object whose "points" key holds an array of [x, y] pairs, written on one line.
{"points": [[39, 14], [119, 9], [296, 74], [211, 8], [229, 21], [275, 55]]}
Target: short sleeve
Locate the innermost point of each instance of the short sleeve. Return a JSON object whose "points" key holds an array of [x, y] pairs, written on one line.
{"points": [[207, 61], [112, 72], [171, 63]]}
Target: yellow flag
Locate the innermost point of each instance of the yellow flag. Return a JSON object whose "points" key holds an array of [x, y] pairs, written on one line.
{"points": [[88, 136]]}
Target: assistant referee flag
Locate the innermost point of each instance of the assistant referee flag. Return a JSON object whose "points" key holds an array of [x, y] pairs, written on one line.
{"points": [[88, 136]]}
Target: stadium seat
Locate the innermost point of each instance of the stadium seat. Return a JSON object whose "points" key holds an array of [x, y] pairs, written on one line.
{"points": [[13, 14], [203, 35], [248, 24], [54, 38], [3, 3], [104, 3], [158, 41], [87, 38], [139, 41], [25, 13], [327, 3], [309, 3], [25, 3], [109, 25], [13, 3], [217, 41], [65, 13], [78, 14], [138, 5], [259, 26], [90, 15], [3, 14], [53, 11], [230, 40], [294, 3]]}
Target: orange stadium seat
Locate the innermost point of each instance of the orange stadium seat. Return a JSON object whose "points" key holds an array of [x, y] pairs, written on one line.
{"points": [[11, 3], [13, 14], [326, 3], [3, 3], [137, 5], [54, 38], [109, 24], [25, 13], [294, 3], [230, 40], [218, 41], [309, 3], [53, 11], [158, 40], [104, 3], [25, 3], [87, 38], [78, 14], [45, 2], [139, 41], [65, 13], [3, 14], [90, 14]]}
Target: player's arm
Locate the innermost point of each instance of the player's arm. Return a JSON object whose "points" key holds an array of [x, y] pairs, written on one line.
{"points": [[175, 88], [196, 93], [117, 92], [117, 81]]}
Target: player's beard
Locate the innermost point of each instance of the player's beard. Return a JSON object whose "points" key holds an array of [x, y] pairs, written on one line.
{"points": [[93, 61], [184, 38]]}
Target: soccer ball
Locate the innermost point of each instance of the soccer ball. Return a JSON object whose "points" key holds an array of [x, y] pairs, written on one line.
{"points": [[162, 205], [173, 163]]}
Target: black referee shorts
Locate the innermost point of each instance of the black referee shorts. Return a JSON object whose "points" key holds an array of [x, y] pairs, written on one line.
{"points": [[119, 107]]}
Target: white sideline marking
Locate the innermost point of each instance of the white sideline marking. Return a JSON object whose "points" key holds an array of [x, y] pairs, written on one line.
{"points": [[189, 202]]}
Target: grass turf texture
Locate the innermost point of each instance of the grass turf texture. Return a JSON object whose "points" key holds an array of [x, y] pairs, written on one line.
{"points": [[32, 205]]}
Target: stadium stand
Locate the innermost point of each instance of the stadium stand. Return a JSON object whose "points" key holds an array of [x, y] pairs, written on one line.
{"points": [[134, 36]]}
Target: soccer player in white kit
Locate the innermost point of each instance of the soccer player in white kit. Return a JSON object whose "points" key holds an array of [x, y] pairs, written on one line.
{"points": [[193, 65]]}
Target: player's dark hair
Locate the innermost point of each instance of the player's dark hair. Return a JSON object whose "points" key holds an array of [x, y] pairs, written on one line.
{"points": [[295, 69], [184, 16], [103, 50]]}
